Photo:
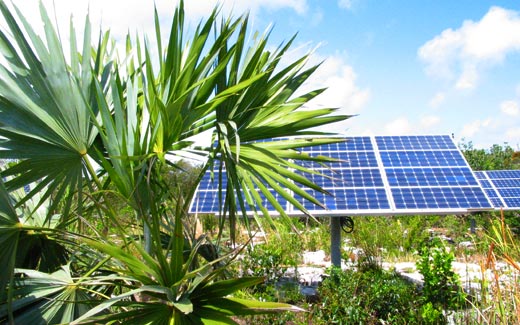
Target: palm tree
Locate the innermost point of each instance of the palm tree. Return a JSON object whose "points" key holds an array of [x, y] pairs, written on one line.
{"points": [[86, 127]]}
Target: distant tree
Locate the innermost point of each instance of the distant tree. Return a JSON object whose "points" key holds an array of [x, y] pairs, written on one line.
{"points": [[495, 158]]}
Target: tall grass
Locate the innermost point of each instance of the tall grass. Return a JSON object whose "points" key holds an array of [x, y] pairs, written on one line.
{"points": [[498, 298]]}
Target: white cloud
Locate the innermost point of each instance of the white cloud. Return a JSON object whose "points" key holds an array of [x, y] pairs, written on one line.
{"points": [[239, 6], [461, 54], [510, 108], [345, 4], [468, 79], [513, 136], [399, 126], [340, 79], [478, 126], [123, 16], [429, 121], [437, 100]]}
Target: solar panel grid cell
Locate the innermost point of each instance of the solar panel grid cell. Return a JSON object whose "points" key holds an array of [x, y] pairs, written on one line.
{"points": [[498, 174], [345, 199], [513, 202], [507, 182], [439, 198], [422, 158], [347, 178], [509, 192], [485, 183], [415, 143], [430, 177]]}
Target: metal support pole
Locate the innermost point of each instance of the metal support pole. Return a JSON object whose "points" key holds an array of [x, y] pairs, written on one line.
{"points": [[335, 241]]}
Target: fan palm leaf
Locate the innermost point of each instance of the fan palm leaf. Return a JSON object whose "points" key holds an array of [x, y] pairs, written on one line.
{"points": [[45, 106]]}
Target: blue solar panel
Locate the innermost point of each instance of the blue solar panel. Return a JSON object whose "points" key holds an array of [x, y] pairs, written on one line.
{"points": [[513, 202], [349, 159], [422, 158], [420, 142], [386, 175], [370, 177], [430, 177], [439, 198], [502, 187], [507, 182], [500, 174], [345, 199]]}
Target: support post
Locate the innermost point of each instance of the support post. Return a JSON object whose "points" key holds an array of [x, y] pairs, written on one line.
{"points": [[335, 241]]}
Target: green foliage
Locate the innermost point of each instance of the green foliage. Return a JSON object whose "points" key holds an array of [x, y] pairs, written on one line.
{"points": [[495, 158], [272, 258], [432, 315], [371, 297], [267, 261], [441, 285], [102, 137], [316, 236]]}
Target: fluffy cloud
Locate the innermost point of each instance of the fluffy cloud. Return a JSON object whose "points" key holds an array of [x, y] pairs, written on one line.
{"points": [[123, 16], [512, 136], [345, 4], [240, 6], [403, 125], [470, 129], [462, 53], [437, 100], [510, 108], [399, 126], [429, 121], [340, 78]]}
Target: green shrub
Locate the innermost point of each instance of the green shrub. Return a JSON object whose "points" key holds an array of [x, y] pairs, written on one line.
{"points": [[371, 297], [441, 285]]}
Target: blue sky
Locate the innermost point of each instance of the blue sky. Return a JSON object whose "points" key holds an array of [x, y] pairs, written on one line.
{"points": [[403, 67]]}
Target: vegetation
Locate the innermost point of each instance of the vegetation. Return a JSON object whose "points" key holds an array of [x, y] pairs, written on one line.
{"points": [[93, 205], [495, 158], [97, 140], [368, 293]]}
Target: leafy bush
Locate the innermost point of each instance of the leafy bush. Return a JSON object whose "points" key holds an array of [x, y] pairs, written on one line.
{"points": [[441, 285], [265, 260], [371, 297]]}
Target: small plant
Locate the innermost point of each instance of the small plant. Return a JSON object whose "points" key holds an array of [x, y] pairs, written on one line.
{"points": [[431, 314], [441, 286], [371, 297], [265, 260]]}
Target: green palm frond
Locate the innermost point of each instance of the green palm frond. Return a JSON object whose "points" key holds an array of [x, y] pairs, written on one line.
{"points": [[46, 106], [54, 297], [10, 229]]}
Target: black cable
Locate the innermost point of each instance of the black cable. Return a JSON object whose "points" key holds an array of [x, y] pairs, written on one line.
{"points": [[347, 224]]}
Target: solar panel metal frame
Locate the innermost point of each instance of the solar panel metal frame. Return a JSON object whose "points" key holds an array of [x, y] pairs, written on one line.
{"points": [[375, 157]]}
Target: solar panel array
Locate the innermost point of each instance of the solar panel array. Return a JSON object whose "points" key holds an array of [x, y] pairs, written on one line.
{"points": [[381, 175], [502, 187]]}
